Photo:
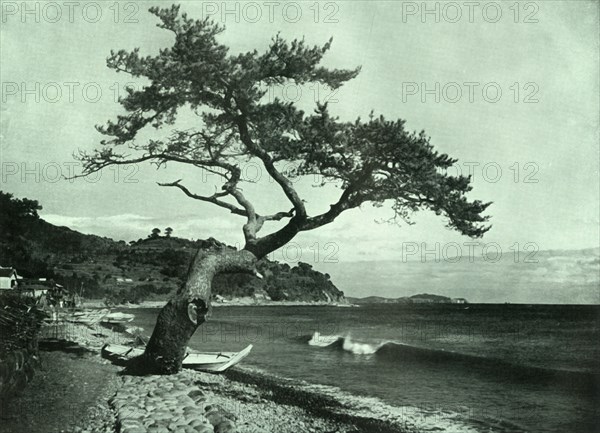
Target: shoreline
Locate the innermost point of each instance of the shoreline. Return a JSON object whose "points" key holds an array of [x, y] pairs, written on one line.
{"points": [[97, 303], [240, 400]]}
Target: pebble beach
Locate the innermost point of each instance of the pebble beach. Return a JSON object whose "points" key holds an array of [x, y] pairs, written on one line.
{"points": [[79, 391]]}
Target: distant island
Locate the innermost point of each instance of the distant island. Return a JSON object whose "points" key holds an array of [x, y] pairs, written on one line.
{"points": [[423, 298]]}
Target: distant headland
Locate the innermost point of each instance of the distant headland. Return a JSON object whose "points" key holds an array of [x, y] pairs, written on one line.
{"points": [[423, 298]]}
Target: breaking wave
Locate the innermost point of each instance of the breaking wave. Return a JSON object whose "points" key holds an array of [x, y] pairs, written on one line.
{"points": [[392, 351], [346, 343]]}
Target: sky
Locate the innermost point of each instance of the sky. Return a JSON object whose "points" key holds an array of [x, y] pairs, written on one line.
{"points": [[510, 89]]}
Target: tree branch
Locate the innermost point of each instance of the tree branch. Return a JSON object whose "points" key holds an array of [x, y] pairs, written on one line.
{"points": [[214, 199], [283, 181], [349, 199]]}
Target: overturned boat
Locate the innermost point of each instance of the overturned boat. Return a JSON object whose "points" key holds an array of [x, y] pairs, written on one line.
{"points": [[215, 362]]}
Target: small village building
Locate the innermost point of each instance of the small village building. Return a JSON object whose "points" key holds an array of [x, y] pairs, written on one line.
{"points": [[36, 287], [459, 301], [8, 278]]}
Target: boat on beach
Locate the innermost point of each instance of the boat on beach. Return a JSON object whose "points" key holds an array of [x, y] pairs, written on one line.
{"points": [[115, 318], [86, 317], [215, 362], [92, 317]]}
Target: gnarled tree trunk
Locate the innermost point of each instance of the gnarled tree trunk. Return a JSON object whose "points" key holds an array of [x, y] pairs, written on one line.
{"points": [[179, 319]]}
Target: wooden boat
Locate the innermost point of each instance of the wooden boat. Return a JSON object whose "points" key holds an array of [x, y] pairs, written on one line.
{"points": [[86, 317], [215, 362], [117, 318]]}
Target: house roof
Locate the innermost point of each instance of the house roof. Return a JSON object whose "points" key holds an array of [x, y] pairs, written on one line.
{"points": [[7, 272]]}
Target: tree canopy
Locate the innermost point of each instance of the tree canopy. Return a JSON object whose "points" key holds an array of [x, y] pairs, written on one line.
{"points": [[374, 161]]}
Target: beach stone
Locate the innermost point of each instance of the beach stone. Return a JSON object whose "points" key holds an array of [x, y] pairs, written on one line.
{"points": [[215, 418], [226, 426], [179, 419], [183, 402], [149, 422], [197, 421], [162, 423], [181, 388], [206, 379], [133, 430], [157, 429], [189, 415], [175, 426], [160, 415], [216, 409], [132, 411], [131, 421], [196, 394]]}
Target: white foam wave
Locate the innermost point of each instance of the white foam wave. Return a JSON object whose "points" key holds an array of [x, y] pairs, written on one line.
{"points": [[359, 348], [323, 340], [348, 345]]}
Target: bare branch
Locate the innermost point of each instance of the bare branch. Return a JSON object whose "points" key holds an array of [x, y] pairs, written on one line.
{"points": [[275, 217], [279, 216], [214, 199]]}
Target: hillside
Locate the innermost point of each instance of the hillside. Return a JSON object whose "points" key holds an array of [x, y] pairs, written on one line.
{"points": [[378, 300], [149, 269], [435, 299]]}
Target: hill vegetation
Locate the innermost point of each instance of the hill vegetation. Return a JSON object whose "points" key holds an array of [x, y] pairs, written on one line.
{"points": [[148, 269], [421, 298]]}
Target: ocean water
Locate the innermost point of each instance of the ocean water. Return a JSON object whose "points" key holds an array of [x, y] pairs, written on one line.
{"points": [[477, 367]]}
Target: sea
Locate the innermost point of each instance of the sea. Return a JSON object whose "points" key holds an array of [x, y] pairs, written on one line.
{"points": [[430, 367]]}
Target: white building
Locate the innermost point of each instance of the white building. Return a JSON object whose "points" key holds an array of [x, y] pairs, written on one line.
{"points": [[459, 301], [8, 278]]}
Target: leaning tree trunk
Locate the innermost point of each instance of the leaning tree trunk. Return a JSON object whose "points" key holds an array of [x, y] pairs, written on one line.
{"points": [[179, 319]]}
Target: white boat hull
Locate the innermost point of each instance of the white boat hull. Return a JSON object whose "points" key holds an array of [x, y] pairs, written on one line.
{"points": [[116, 318], [204, 361]]}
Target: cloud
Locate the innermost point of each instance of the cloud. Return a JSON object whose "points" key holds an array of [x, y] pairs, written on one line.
{"points": [[132, 226]]}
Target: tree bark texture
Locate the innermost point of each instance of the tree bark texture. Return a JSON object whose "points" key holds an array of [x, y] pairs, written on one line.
{"points": [[181, 316]]}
